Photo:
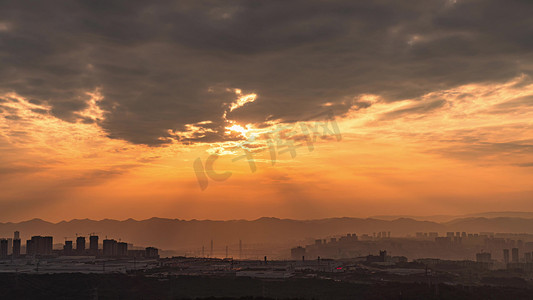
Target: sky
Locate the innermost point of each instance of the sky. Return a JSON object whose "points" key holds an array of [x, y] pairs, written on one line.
{"points": [[244, 109]]}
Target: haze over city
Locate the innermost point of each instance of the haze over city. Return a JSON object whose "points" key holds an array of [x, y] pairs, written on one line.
{"points": [[279, 149]]}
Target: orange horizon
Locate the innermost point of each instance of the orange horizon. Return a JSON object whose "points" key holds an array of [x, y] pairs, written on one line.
{"points": [[448, 159]]}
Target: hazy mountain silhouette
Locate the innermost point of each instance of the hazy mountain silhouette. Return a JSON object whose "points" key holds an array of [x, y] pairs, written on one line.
{"points": [[505, 224], [182, 234], [447, 218]]}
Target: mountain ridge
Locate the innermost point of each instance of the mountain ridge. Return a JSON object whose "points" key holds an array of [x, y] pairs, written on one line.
{"points": [[167, 233]]}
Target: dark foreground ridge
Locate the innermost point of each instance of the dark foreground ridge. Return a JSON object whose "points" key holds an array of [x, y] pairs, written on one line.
{"points": [[121, 286]]}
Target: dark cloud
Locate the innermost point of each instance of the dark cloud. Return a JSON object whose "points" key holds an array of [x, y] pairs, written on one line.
{"points": [[525, 165], [165, 64], [10, 170]]}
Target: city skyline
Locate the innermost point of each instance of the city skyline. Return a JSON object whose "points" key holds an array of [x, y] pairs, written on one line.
{"points": [[495, 250], [43, 246]]}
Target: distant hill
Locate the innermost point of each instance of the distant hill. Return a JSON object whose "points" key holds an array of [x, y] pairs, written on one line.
{"points": [[503, 224], [503, 214], [189, 234], [447, 218], [433, 218], [181, 234]]}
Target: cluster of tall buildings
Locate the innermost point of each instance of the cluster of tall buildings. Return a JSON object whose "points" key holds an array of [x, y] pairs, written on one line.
{"points": [[43, 246], [511, 259], [110, 247], [40, 245], [515, 258], [485, 247], [10, 246]]}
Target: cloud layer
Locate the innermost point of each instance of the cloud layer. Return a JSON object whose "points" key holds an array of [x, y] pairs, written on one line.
{"points": [[166, 65]]}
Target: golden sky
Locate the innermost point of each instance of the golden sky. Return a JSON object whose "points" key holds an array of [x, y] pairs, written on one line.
{"points": [[466, 149]]}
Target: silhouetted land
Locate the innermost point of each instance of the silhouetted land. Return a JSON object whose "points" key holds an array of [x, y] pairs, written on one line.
{"points": [[82, 286], [90, 286]]}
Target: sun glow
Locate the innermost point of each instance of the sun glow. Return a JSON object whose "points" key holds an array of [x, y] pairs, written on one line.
{"points": [[388, 150], [237, 128]]}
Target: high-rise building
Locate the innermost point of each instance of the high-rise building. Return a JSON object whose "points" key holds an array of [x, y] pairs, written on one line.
{"points": [[16, 235], [151, 252], [48, 245], [298, 253], [30, 249], [93, 244], [44, 245], [9, 246], [16, 248], [514, 255], [109, 247], [3, 248], [67, 248], [506, 256], [122, 249], [80, 245], [483, 257], [39, 245]]}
